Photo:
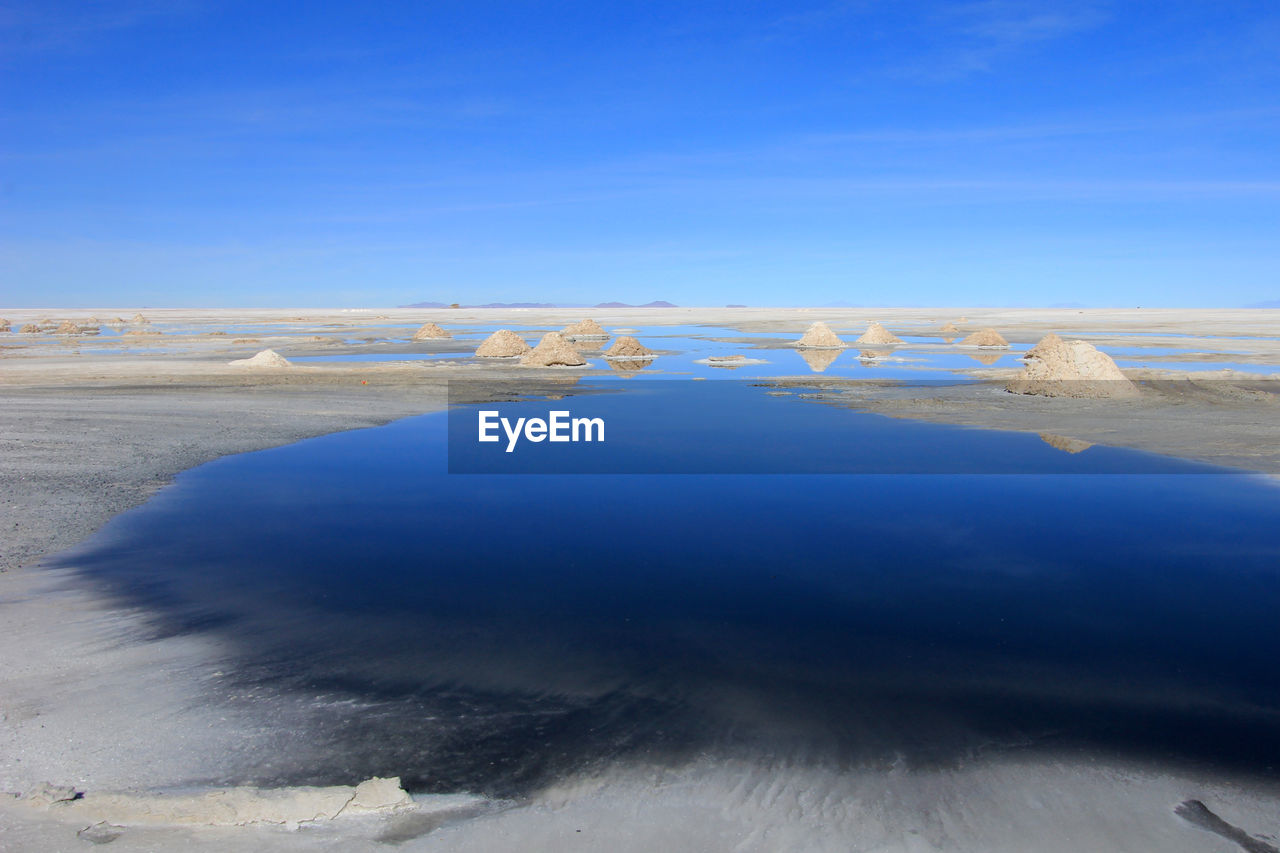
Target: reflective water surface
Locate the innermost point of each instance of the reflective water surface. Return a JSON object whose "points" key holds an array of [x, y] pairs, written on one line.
{"points": [[493, 632]]}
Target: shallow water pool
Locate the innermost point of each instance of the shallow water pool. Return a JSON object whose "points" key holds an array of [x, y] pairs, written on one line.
{"points": [[495, 632]]}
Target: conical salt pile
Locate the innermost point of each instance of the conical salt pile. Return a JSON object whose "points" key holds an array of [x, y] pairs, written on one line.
{"points": [[1047, 347], [503, 343], [429, 331], [584, 329], [1058, 368], [139, 320], [5, 325], [985, 338], [66, 327], [553, 349], [30, 328], [266, 358], [950, 331], [628, 347], [820, 336], [877, 334]]}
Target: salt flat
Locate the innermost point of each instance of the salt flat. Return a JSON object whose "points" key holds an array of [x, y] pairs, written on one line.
{"points": [[93, 425]]}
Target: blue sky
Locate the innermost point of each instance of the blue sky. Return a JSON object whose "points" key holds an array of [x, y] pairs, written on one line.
{"points": [[996, 152]]}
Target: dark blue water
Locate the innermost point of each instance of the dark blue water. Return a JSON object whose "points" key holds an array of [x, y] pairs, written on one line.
{"points": [[497, 631], [683, 427]]}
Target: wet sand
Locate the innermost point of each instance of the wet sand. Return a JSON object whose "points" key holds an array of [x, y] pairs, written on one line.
{"points": [[87, 699]]}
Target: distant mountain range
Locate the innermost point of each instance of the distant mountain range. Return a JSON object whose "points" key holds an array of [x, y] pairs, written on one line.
{"points": [[656, 304], [491, 305]]}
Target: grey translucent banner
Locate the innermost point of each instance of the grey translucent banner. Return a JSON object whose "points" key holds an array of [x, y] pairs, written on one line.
{"points": [[610, 426]]}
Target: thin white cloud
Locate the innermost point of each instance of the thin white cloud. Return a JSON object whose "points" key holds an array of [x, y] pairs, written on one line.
{"points": [[1006, 23], [1092, 126], [973, 38], [52, 25], [803, 21]]}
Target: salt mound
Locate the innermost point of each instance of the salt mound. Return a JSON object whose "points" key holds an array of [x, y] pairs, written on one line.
{"points": [[584, 329], [985, 338], [429, 331], [30, 328], [1047, 346], [1067, 445], [628, 347], [819, 359], [820, 336], [950, 330], [66, 327], [1058, 368], [139, 320], [266, 358], [729, 361], [877, 334], [553, 349], [5, 325], [503, 343]]}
